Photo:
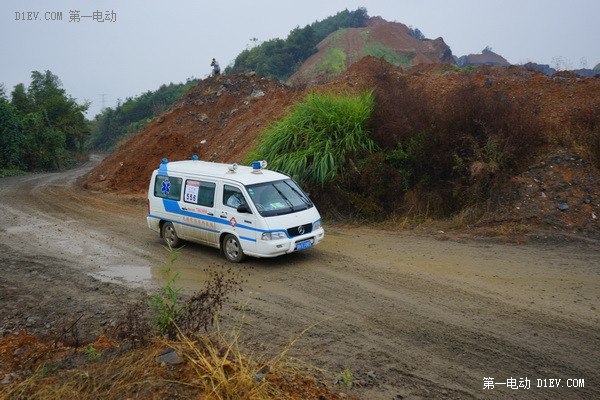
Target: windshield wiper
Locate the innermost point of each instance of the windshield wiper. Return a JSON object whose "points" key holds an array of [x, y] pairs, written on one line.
{"points": [[289, 203], [301, 195]]}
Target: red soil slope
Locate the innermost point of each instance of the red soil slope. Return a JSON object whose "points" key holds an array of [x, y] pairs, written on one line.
{"points": [[394, 36], [220, 118]]}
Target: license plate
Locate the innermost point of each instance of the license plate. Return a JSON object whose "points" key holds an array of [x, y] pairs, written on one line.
{"points": [[303, 245]]}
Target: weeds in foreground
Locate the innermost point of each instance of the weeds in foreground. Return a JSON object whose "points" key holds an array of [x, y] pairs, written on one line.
{"points": [[92, 354], [166, 304], [117, 377], [201, 310], [198, 311], [214, 367], [223, 371], [346, 378]]}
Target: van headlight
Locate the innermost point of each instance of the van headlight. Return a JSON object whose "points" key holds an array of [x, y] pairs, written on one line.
{"points": [[317, 225], [273, 235]]}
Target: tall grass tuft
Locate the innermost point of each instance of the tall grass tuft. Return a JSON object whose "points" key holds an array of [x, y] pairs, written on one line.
{"points": [[314, 141]]}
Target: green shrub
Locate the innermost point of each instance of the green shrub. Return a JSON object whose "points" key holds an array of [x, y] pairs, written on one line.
{"points": [[313, 142], [334, 62], [166, 305], [378, 50]]}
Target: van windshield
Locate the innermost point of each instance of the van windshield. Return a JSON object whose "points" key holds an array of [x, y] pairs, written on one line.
{"points": [[278, 197]]}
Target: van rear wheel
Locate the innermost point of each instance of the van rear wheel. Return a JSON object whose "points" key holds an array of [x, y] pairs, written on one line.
{"points": [[232, 249], [169, 235]]}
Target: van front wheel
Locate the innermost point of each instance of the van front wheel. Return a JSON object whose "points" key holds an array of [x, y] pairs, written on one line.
{"points": [[169, 235], [232, 248]]}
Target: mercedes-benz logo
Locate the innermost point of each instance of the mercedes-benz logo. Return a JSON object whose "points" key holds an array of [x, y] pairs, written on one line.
{"points": [[301, 229]]}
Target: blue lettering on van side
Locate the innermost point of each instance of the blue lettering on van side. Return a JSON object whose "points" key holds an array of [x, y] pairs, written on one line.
{"points": [[173, 207]]}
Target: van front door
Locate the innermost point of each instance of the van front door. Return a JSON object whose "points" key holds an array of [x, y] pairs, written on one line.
{"points": [[241, 223]]}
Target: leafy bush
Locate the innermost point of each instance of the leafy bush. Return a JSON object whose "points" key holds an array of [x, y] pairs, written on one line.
{"points": [[314, 141]]}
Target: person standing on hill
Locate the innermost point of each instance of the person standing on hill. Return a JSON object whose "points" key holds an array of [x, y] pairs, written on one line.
{"points": [[216, 68]]}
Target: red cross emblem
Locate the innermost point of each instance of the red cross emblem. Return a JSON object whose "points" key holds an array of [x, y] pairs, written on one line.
{"points": [[233, 222]]}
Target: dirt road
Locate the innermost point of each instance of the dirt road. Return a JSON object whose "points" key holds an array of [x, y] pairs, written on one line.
{"points": [[409, 316]]}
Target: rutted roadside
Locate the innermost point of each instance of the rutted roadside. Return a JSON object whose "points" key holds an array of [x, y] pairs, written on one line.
{"points": [[406, 315]]}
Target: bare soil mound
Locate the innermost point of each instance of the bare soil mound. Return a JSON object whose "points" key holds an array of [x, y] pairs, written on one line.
{"points": [[217, 120], [392, 40], [220, 119], [560, 193]]}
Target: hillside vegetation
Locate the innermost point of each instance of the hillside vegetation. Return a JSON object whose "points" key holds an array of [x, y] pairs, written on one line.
{"points": [[112, 126], [280, 58], [41, 126]]}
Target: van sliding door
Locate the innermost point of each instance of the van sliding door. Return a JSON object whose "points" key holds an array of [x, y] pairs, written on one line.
{"points": [[198, 205]]}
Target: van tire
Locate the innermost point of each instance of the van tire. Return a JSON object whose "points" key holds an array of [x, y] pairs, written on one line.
{"points": [[169, 235], [232, 249]]}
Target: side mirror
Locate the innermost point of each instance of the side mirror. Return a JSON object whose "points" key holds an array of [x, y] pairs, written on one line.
{"points": [[244, 208]]}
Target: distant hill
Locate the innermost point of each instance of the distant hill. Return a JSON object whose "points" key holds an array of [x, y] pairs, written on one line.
{"points": [[395, 42], [280, 58], [486, 57]]}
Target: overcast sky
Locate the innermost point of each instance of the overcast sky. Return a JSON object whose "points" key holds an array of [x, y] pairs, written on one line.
{"points": [[144, 43]]}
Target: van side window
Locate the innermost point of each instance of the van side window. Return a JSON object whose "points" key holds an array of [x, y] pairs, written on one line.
{"points": [[232, 196], [167, 187], [201, 193]]}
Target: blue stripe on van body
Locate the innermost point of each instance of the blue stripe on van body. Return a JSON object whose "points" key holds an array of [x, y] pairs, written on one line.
{"points": [[196, 226], [172, 206]]}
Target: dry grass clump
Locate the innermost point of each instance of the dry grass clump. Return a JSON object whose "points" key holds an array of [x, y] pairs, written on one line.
{"points": [[211, 367]]}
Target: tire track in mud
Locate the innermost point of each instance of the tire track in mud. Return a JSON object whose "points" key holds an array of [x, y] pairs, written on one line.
{"points": [[428, 318], [436, 337]]}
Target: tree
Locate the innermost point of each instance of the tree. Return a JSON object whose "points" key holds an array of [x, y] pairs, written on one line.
{"points": [[44, 87], [416, 33], [42, 127], [2, 93], [11, 137], [62, 111], [44, 145], [20, 100]]}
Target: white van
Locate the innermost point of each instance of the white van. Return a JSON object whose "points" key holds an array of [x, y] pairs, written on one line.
{"points": [[240, 210]]}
